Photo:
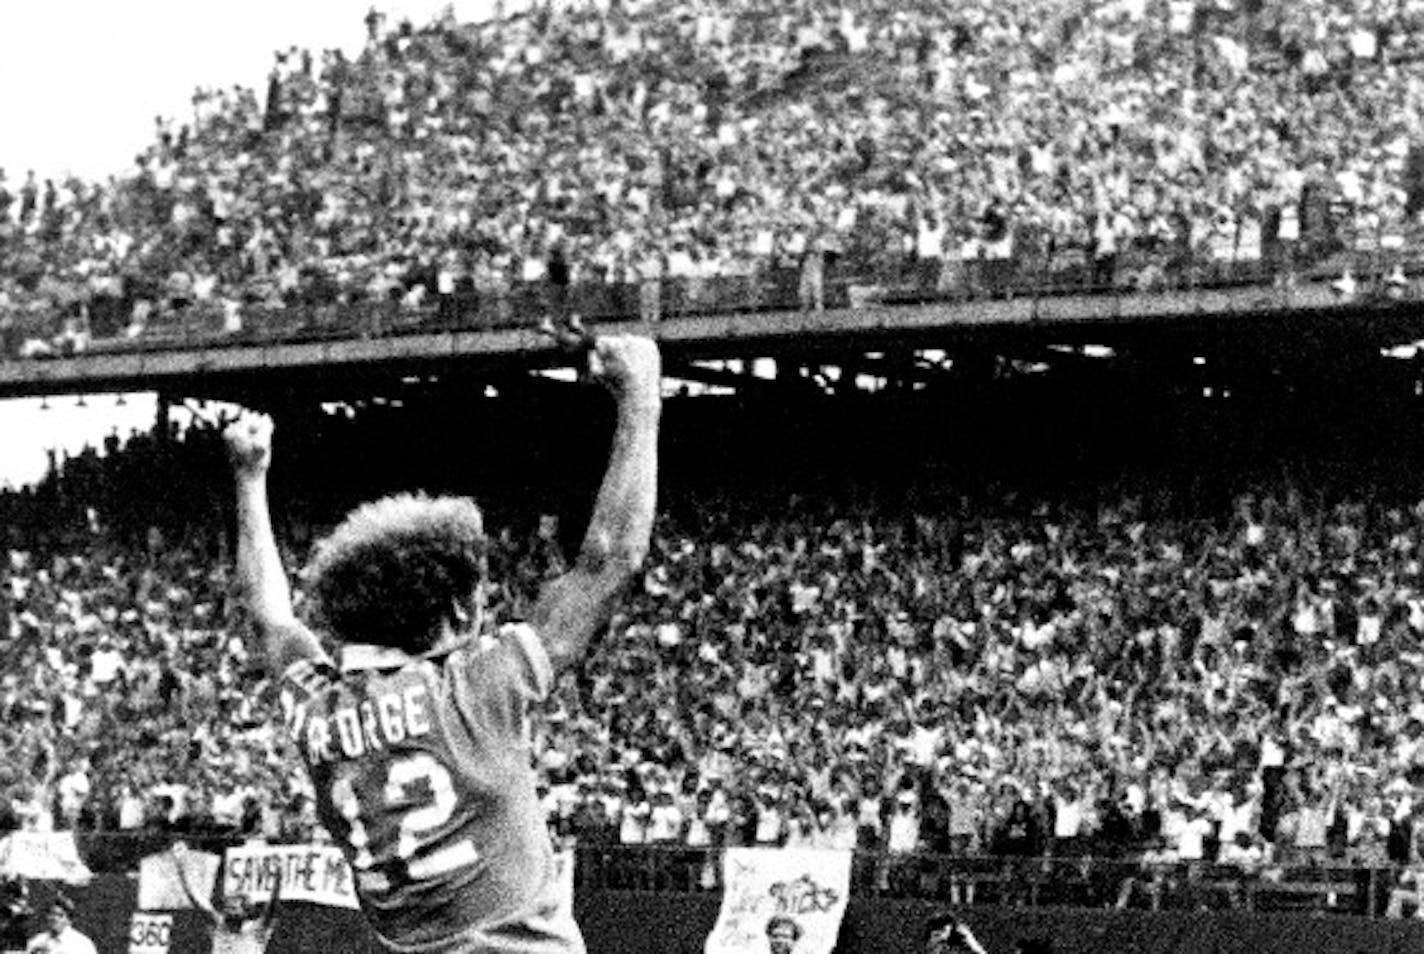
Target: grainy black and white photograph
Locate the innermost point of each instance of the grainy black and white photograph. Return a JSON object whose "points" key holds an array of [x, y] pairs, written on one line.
{"points": [[712, 477]]}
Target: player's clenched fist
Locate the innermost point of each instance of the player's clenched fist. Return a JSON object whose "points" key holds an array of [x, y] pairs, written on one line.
{"points": [[629, 366], [249, 443]]}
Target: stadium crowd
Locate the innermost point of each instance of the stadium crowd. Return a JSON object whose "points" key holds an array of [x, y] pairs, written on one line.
{"points": [[1001, 678], [639, 156], [1245, 688]]}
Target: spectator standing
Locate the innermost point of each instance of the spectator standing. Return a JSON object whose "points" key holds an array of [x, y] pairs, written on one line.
{"points": [[29, 198], [60, 936], [1400, 841], [74, 788], [1019, 840], [558, 274], [771, 822], [1069, 808], [665, 833], [240, 927], [633, 821], [903, 840], [107, 664], [14, 913], [650, 269], [707, 821], [812, 289]]}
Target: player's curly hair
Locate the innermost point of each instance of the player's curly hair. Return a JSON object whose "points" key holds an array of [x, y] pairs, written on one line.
{"points": [[396, 569]]}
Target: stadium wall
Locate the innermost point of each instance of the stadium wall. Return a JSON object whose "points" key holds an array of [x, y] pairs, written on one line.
{"points": [[642, 923]]}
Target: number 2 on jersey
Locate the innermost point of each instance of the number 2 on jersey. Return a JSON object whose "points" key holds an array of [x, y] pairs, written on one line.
{"points": [[407, 780]]}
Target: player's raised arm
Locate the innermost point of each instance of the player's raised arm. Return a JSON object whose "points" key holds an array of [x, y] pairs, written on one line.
{"points": [[259, 566], [573, 606]]}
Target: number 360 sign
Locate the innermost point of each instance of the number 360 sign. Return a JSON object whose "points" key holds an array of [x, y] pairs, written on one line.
{"points": [[150, 933]]}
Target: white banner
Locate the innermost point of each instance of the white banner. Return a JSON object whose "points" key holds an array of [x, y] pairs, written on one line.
{"points": [[319, 873], [150, 933], [43, 856], [315, 873], [159, 888], [809, 887]]}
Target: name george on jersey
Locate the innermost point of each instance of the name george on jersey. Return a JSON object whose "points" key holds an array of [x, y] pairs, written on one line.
{"points": [[351, 731]]}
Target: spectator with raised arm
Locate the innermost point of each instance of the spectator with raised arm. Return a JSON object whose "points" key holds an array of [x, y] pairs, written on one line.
{"points": [[242, 926]]}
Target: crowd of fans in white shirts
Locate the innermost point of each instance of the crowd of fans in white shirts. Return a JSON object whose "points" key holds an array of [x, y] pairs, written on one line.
{"points": [[984, 679], [1247, 689], [710, 149]]}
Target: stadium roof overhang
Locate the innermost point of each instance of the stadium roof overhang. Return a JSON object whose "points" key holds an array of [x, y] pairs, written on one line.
{"points": [[1249, 323]]}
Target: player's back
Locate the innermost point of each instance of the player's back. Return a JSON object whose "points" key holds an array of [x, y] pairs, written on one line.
{"points": [[422, 773]]}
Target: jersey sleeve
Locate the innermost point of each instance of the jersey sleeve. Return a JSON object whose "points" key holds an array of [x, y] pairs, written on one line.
{"points": [[307, 677], [301, 681], [534, 674], [500, 683]]}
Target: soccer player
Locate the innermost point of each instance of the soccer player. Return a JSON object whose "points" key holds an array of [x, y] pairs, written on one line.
{"points": [[416, 735]]}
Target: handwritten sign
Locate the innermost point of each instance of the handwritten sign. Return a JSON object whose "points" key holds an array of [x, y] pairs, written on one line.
{"points": [[319, 874], [43, 856], [315, 873], [150, 933], [159, 887], [811, 887]]}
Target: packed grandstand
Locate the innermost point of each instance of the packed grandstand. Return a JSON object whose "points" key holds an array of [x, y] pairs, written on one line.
{"points": [[1015, 675], [730, 156], [1152, 670]]}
